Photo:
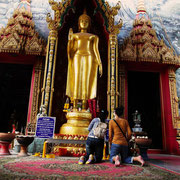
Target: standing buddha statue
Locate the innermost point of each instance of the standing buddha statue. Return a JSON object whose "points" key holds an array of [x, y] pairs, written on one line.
{"points": [[83, 63]]}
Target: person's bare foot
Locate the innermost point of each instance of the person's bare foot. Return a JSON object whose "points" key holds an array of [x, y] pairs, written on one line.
{"points": [[117, 162], [139, 159]]}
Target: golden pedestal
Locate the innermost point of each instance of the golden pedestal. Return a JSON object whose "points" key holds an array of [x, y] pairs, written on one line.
{"points": [[76, 128], [77, 123]]}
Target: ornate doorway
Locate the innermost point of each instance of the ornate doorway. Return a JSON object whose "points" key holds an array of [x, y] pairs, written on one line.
{"points": [[144, 96], [98, 28], [14, 95]]}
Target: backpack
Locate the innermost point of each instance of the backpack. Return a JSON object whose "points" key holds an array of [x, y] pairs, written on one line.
{"points": [[100, 130]]}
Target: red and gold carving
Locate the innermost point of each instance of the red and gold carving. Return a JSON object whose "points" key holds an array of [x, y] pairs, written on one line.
{"points": [[143, 45], [75, 150], [20, 36], [174, 98], [36, 91]]}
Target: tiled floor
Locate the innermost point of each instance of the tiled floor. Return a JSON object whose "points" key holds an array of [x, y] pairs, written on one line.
{"points": [[166, 161]]}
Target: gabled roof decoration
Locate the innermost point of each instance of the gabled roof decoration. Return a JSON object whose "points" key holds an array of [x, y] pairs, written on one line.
{"points": [[19, 36], [107, 12], [143, 45]]}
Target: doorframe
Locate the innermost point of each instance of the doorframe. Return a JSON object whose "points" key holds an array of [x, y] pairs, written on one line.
{"points": [[165, 102]]}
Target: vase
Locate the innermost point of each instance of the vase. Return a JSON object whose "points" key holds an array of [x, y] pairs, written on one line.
{"points": [[5, 141], [24, 142]]}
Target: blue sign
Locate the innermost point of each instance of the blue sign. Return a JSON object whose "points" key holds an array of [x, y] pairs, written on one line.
{"points": [[45, 127]]}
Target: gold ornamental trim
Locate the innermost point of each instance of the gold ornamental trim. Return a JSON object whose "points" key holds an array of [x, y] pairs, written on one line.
{"points": [[112, 93], [110, 13], [60, 8], [173, 96], [48, 85], [79, 115]]}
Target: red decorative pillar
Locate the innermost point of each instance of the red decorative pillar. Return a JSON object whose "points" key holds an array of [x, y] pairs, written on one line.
{"points": [[169, 132]]}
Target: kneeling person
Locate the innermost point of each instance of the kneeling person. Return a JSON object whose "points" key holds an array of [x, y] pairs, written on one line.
{"points": [[94, 144]]}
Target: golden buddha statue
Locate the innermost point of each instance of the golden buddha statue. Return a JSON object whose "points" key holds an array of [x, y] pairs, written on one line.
{"points": [[83, 62]]}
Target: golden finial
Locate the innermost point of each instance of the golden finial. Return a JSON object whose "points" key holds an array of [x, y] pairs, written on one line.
{"points": [[85, 16], [141, 6], [84, 11]]}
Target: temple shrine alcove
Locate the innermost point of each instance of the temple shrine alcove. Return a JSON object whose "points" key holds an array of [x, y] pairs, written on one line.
{"points": [[22, 53], [98, 27], [148, 88], [14, 94], [147, 69], [144, 96]]}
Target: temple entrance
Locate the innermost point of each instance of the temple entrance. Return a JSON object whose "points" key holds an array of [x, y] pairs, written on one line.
{"points": [[98, 28], [15, 82], [144, 96]]}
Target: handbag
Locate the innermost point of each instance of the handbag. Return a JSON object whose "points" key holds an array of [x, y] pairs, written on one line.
{"points": [[130, 146]]}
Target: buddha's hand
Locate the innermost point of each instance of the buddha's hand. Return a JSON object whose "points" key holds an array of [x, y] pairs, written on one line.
{"points": [[100, 69], [70, 34]]}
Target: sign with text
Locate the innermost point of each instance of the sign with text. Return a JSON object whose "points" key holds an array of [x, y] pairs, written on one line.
{"points": [[45, 127]]}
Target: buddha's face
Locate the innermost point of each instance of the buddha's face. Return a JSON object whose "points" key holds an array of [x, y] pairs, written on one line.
{"points": [[84, 23]]}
